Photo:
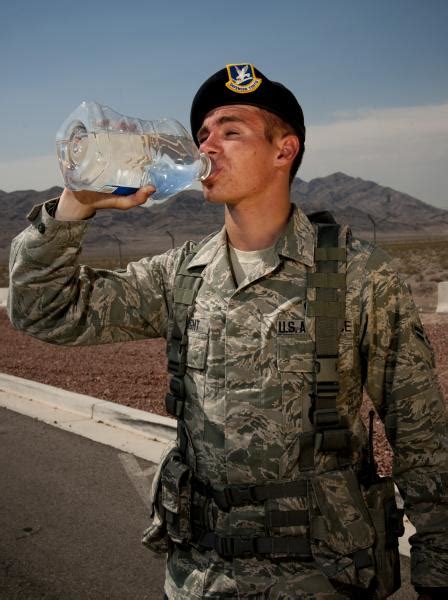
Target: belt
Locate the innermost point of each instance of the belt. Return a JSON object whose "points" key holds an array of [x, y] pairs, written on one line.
{"points": [[233, 495], [234, 547]]}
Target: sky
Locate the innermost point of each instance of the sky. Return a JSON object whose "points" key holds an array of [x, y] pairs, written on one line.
{"points": [[371, 77]]}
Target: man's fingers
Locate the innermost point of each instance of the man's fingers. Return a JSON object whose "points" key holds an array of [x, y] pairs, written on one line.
{"points": [[144, 193], [125, 202]]}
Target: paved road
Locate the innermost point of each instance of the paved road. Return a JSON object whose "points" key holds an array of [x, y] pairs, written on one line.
{"points": [[71, 516]]}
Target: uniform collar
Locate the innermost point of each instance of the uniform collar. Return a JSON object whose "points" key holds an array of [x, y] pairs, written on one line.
{"points": [[296, 242]]}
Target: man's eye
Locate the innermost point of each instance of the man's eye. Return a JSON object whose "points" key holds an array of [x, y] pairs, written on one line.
{"points": [[232, 132]]}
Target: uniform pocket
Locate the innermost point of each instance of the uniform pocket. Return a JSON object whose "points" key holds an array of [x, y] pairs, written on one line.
{"points": [[295, 354], [197, 350], [295, 362], [347, 524], [155, 536], [342, 534], [176, 500]]}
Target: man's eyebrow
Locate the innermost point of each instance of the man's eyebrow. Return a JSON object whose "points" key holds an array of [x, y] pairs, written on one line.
{"points": [[221, 121]]}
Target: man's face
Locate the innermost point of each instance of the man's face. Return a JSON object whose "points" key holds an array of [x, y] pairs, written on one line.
{"points": [[242, 157]]}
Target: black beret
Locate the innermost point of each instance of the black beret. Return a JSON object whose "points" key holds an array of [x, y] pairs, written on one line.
{"points": [[244, 84]]}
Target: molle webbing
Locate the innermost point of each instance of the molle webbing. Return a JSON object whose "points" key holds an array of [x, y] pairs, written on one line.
{"points": [[328, 310], [186, 286], [238, 546], [233, 495], [230, 496]]}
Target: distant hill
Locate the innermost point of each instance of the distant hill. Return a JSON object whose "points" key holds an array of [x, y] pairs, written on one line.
{"points": [[143, 231], [352, 200]]}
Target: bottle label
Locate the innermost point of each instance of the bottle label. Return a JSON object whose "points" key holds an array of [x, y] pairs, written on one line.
{"points": [[118, 190]]}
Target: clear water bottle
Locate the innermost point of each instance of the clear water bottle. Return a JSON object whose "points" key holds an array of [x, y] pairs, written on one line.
{"points": [[101, 150]]}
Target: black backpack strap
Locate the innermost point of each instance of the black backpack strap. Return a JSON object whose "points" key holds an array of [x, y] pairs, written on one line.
{"points": [[328, 309], [186, 286]]}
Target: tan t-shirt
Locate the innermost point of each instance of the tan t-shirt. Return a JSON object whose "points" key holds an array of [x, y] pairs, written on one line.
{"points": [[244, 262]]}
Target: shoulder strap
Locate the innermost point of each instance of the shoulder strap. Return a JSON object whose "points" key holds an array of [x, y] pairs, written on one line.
{"points": [[186, 286], [328, 310]]}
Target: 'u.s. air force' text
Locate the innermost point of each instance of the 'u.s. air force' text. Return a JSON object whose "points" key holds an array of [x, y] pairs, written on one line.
{"points": [[294, 326]]}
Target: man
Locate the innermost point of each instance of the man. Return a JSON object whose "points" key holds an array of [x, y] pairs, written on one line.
{"points": [[274, 327]]}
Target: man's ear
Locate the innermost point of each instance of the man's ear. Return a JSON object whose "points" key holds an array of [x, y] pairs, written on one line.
{"points": [[288, 148]]}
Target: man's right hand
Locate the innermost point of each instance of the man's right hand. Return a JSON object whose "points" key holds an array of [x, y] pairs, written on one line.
{"points": [[79, 205]]}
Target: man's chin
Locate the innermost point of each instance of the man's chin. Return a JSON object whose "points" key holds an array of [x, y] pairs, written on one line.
{"points": [[211, 196]]}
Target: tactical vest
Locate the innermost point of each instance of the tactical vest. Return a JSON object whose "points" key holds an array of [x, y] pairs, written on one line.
{"points": [[328, 310], [186, 499]]}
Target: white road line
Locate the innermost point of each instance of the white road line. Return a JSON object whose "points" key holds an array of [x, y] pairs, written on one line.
{"points": [[141, 478]]}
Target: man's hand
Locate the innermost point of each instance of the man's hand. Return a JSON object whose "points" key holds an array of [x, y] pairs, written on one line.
{"points": [[79, 205]]}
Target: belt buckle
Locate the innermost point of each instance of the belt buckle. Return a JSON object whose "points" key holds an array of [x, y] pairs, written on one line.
{"points": [[240, 495]]}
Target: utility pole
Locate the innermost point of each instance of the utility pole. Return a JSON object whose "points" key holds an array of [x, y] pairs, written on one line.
{"points": [[171, 237], [119, 242], [374, 227]]}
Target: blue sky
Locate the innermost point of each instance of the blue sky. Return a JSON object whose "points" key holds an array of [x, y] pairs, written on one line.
{"points": [[371, 76]]}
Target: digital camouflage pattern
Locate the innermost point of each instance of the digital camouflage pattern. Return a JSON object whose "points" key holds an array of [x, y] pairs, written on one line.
{"points": [[249, 377]]}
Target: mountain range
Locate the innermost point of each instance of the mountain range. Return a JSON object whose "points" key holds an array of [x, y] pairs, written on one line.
{"points": [[365, 205]]}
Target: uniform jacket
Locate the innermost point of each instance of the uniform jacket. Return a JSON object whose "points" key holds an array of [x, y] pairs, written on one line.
{"points": [[249, 378]]}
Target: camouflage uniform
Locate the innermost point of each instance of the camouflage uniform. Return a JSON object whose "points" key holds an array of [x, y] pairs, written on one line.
{"points": [[249, 378]]}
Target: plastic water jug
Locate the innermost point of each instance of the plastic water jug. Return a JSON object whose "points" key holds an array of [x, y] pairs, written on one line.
{"points": [[101, 150]]}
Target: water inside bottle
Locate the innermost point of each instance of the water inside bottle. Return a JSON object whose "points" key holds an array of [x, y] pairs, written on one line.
{"points": [[104, 159], [170, 177]]}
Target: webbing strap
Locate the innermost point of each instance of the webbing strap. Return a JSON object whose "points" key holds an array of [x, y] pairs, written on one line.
{"points": [[182, 296], [232, 495], [186, 287], [328, 310], [287, 518], [232, 547], [329, 280], [331, 253]]}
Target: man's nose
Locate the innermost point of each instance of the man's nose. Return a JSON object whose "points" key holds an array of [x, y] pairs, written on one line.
{"points": [[210, 145]]}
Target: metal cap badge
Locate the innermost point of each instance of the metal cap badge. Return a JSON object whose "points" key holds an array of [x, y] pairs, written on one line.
{"points": [[242, 78]]}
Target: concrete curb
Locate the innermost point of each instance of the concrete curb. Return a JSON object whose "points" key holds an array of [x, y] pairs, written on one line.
{"points": [[442, 297], [3, 296], [60, 407]]}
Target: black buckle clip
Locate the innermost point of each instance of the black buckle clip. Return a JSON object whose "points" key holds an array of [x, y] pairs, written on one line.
{"points": [[234, 495], [174, 405], [177, 386], [333, 440], [228, 547]]}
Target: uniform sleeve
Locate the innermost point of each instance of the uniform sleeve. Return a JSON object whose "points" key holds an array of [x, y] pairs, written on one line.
{"points": [[56, 300], [400, 379]]}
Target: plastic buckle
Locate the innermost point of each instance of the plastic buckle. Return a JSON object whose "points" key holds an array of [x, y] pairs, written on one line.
{"points": [[177, 386], [224, 547], [326, 369], [174, 405], [333, 440], [239, 495], [244, 546]]}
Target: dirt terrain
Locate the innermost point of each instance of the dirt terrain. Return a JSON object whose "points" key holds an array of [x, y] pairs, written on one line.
{"points": [[134, 373]]}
